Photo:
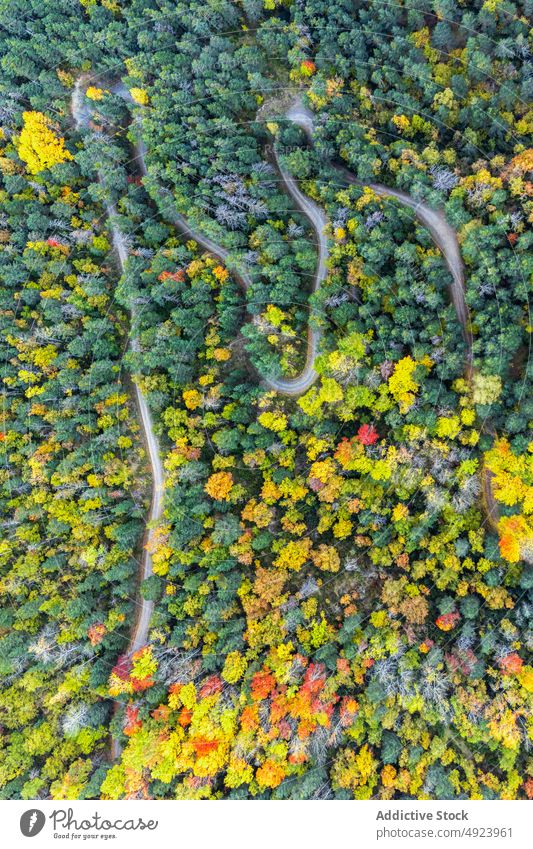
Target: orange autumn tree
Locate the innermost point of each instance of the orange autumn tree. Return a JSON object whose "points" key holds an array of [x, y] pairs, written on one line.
{"points": [[219, 486]]}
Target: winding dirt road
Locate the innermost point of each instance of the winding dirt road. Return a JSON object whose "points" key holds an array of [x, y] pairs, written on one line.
{"points": [[318, 220], [144, 609], [139, 633], [441, 232], [445, 238], [82, 117], [314, 214]]}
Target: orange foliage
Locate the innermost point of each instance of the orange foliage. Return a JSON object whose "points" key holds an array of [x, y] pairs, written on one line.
{"points": [[262, 685], [513, 530], [249, 718], [219, 485], [96, 633], [447, 621], [185, 717], [202, 746], [270, 774], [511, 663], [133, 723]]}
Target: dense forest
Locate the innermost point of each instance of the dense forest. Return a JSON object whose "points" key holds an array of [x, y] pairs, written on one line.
{"points": [[337, 589]]}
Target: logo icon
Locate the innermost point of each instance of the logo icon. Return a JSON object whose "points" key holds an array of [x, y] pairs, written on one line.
{"points": [[32, 822]]}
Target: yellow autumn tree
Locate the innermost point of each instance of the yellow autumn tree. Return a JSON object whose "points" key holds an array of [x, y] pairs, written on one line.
{"points": [[192, 398], [94, 93], [516, 537], [511, 485], [294, 554], [487, 388], [38, 145], [402, 385], [326, 558], [513, 475], [234, 667], [355, 771], [273, 421], [139, 96]]}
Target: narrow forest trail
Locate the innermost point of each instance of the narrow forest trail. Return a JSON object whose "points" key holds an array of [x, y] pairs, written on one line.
{"points": [[314, 214], [441, 232], [144, 608], [445, 237], [139, 632], [491, 505]]}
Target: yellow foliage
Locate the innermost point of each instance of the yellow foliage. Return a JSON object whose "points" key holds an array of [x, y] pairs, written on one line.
{"points": [[515, 532], [325, 557], [94, 93], [351, 770], [323, 470], [273, 421], [402, 385], [192, 398], [401, 511], [330, 391], [258, 513], [526, 678], [270, 774], [238, 772], [270, 492], [221, 355], [274, 315], [342, 529], [448, 426], [294, 554], [487, 388], [293, 488], [38, 145], [144, 664], [234, 667], [139, 96], [401, 122], [220, 273], [505, 730], [388, 776]]}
